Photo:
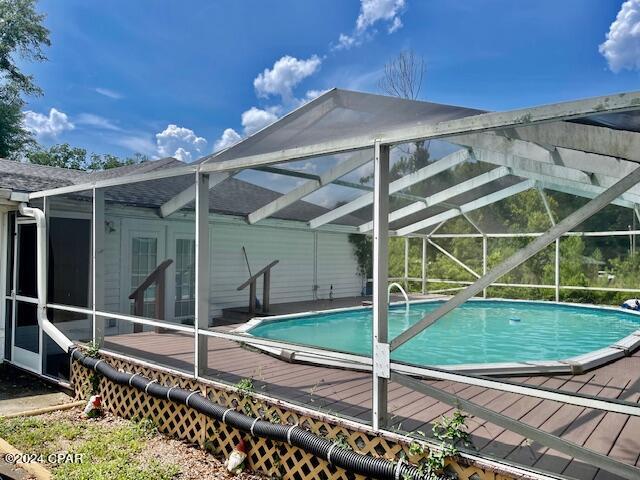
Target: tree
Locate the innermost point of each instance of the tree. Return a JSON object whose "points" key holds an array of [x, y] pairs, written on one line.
{"points": [[75, 158], [403, 75], [22, 36], [13, 138]]}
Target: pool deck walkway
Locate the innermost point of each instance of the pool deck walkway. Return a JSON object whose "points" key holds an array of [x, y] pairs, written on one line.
{"points": [[348, 393]]}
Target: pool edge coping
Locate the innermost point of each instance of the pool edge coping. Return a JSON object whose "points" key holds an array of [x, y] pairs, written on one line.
{"points": [[574, 365]]}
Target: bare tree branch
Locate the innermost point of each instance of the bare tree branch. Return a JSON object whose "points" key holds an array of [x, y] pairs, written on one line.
{"points": [[403, 75]]}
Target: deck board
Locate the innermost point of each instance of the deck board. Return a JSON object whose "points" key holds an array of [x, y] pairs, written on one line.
{"points": [[348, 393]]}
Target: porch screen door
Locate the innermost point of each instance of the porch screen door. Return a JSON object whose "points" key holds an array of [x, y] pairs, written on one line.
{"points": [[27, 338]]}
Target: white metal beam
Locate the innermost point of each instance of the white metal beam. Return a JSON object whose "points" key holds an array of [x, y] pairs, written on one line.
{"points": [[355, 161], [467, 207], [453, 258], [188, 195], [365, 200], [201, 321], [571, 221], [586, 138], [442, 196], [601, 169], [98, 265], [380, 347], [557, 174], [586, 191]]}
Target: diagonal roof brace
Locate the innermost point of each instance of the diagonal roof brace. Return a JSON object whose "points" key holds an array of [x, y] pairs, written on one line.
{"points": [[430, 170], [467, 207], [442, 196], [355, 161], [568, 223]]}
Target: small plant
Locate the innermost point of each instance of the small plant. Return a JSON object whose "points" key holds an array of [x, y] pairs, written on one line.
{"points": [[452, 432], [94, 380], [416, 449], [93, 349], [342, 442], [245, 386], [275, 418], [453, 429]]}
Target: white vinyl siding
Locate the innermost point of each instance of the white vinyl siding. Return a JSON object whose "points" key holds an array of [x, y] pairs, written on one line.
{"points": [[292, 279], [337, 266]]}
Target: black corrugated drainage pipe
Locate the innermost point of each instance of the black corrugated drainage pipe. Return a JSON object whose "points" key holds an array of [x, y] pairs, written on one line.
{"points": [[291, 434]]}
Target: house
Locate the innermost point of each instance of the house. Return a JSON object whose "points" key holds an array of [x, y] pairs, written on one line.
{"points": [[313, 264]]}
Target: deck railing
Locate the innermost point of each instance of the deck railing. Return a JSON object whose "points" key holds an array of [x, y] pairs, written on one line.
{"points": [[157, 277], [266, 287]]}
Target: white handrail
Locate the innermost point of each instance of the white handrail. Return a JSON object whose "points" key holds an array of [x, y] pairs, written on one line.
{"points": [[395, 284]]}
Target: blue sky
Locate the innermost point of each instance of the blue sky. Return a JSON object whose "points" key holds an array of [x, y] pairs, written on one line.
{"points": [[122, 72]]}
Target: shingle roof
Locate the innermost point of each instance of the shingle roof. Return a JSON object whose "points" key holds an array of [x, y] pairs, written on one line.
{"points": [[231, 197]]}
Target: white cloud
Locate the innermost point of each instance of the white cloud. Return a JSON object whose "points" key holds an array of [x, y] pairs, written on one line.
{"points": [[286, 73], [179, 142], [137, 143], [371, 13], [621, 49], [256, 119], [106, 92], [47, 125], [229, 137], [252, 120], [96, 121], [345, 41]]}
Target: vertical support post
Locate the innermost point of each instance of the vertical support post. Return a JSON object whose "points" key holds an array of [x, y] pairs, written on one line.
{"points": [[266, 290], [252, 296], [202, 272], [424, 266], [406, 263], [97, 258], [484, 260], [381, 371], [557, 275]]}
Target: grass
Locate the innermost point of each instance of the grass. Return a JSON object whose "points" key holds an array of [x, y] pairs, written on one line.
{"points": [[108, 451]]}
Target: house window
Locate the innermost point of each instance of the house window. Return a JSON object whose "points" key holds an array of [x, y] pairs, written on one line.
{"points": [[144, 259], [185, 278]]}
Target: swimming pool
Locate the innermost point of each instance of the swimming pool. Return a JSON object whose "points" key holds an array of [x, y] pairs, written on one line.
{"points": [[478, 332]]}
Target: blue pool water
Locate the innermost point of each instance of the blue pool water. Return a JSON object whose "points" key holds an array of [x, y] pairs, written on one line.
{"points": [[477, 332]]}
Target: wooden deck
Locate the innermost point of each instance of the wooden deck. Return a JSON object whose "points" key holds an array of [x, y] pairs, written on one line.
{"points": [[348, 393]]}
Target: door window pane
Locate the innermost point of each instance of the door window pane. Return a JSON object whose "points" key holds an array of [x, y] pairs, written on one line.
{"points": [[185, 278], [27, 260], [26, 333], [8, 328], [144, 259]]}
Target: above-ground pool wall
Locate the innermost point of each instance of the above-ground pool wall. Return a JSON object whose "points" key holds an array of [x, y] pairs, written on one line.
{"points": [[307, 258]]}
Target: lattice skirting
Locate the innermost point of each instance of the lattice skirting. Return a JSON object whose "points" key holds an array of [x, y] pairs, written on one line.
{"points": [[275, 459]]}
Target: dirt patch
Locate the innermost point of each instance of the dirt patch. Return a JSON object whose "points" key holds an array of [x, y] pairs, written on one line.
{"points": [[110, 439], [21, 391]]}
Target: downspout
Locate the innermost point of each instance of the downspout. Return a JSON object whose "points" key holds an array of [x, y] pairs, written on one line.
{"points": [[41, 272]]}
